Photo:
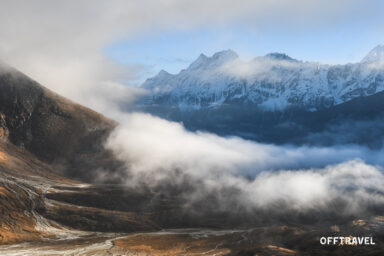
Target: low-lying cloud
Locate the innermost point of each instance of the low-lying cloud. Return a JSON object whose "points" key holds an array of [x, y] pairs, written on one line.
{"points": [[158, 152]]}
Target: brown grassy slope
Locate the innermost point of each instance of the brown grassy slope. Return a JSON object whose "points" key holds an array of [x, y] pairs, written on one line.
{"points": [[53, 128]]}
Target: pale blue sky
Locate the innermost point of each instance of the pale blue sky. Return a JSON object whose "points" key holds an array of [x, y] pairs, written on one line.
{"points": [[346, 38]]}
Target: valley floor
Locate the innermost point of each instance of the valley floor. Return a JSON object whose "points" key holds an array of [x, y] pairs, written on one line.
{"points": [[259, 241], [45, 214]]}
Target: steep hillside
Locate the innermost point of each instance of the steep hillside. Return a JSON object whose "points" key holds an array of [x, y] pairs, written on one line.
{"points": [[56, 130]]}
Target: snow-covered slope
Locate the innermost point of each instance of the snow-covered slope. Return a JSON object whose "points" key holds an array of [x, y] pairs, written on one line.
{"points": [[272, 82]]}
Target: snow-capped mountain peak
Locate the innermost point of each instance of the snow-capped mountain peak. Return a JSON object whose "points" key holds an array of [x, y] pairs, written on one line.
{"points": [[217, 59], [225, 55], [376, 54], [163, 73], [279, 56], [198, 62]]}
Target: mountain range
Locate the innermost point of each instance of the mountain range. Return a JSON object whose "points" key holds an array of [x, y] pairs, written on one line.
{"points": [[273, 82], [274, 98]]}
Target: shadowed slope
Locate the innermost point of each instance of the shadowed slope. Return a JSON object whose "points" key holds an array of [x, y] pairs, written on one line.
{"points": [[53, 128]]}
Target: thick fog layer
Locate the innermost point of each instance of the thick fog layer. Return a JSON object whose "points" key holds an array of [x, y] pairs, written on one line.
{"points": [[158, 152]]}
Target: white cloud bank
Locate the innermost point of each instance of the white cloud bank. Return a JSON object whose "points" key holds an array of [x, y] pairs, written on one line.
{"points": [[157, 151]]}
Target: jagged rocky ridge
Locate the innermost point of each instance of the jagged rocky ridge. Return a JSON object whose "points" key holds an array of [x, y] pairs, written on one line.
{"points": [[272, 82]]}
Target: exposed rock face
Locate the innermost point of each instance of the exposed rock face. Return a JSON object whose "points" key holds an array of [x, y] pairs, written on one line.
{"points": [[53, 128]]}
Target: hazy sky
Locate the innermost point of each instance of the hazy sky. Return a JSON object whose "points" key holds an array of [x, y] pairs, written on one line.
{"points": [[86, 49], [335, 32]]}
